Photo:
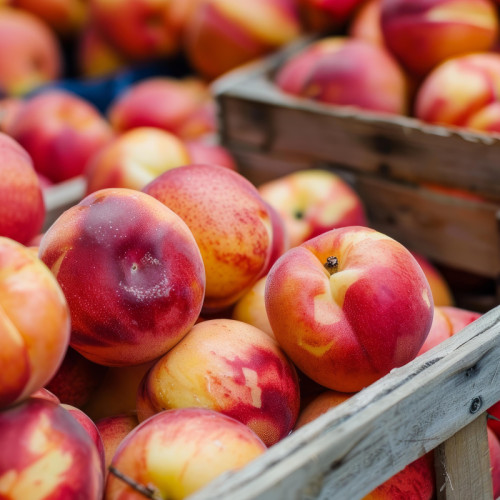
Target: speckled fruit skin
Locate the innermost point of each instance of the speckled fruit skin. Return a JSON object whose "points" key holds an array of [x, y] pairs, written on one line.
{"points": [[34, 323], [311, 202], [22, 209], [222, 34], [423, 34], [183, 107], [113, 431], [346, 72], [57, 459], [131, 272], [180, 451], [61, 131], [231, 367], [415, 482], [230, 222], [462, 91], [134, 158], [350, 328]]}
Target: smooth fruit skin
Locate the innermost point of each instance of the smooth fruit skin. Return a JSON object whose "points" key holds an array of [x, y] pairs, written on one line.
{"points": [[179, 451], [311, 202], [347, 329], [57, 459], [319, 405], [34, 323], [346, 71], [135, 158], [230, 367], [222, 34], [22, 208], [183, 107], [230, 222], [61, 131], [131, 272], [30, 54], [462, 91], [425, 33]]}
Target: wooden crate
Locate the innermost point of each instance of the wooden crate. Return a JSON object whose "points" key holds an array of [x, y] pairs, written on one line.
{"points": [[436, 402], [392, 161]]}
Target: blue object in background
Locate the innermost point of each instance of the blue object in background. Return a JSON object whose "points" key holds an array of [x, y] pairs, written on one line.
{"points": [[102, 91]]}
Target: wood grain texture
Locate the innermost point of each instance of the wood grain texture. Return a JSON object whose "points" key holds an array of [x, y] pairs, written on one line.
{"points": [[356, 446], [253, 112], [463, 464]]}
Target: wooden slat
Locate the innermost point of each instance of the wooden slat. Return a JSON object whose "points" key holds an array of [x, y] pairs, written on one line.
{"points": [[356, 446], [463, 464], [253, 112], [453, 231]]}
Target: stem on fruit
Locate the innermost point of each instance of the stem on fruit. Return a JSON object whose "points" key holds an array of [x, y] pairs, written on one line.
{"points": [[331, 265], [148, 491]]}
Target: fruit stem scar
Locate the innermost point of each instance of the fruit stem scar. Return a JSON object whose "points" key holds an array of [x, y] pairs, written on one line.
{"points": [[134, 267], [331, 264], [147, 491]]}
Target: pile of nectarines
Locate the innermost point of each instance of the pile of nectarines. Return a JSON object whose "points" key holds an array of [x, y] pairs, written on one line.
{"points": [[178, 320]]}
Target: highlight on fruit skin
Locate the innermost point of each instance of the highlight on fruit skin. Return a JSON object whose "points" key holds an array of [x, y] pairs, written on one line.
{"points": [[131, 272], [177, 452], [348, 306]]}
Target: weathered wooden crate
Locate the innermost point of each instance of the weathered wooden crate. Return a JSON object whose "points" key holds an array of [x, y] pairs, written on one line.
{"points": [[436, 402], [389, 160]]}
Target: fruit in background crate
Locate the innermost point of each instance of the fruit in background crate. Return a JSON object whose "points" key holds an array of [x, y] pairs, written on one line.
{"points": [[134, 158], [117, 393], [90, 428], [222, 34], [251, 308], [113, 431], [57, 459], [230, 222], [66, 17], [34, 326], [230, 367], [177, 452], [201, 151], [423, 34], [30, 55], [441, 292], [415, 481], [131, 272], [95, 56], [446, 322], [311, 202], [22, 208], [348, 72], [184, 107], [141, 29], [319, 405], [322, 15], [76, 379], [462, 91], [348, 306], [365, 23], [60, 131]]}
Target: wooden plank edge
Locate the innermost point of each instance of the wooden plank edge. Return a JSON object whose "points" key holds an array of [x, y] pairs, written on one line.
{"points": [[328, 450]]}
